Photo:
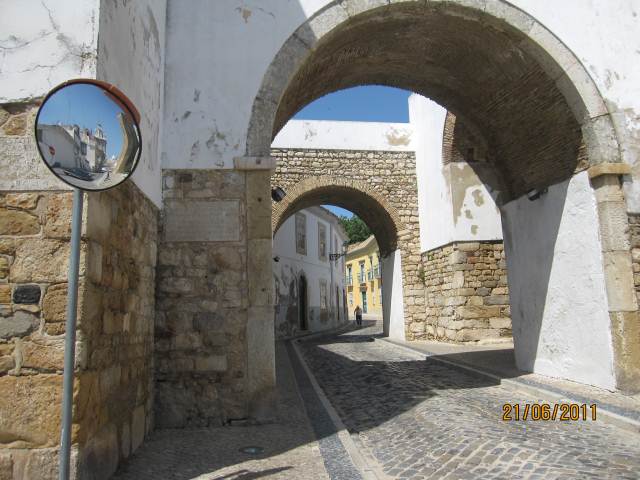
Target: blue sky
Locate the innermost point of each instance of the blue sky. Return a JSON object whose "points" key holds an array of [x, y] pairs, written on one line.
{"points": [[363, 104], [85, 105], [372, 103]]}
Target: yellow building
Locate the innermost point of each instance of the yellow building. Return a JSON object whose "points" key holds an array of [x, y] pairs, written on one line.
{"points": [[363, 277]]}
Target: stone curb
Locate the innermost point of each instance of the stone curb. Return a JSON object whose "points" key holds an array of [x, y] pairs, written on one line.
{"points": [[367, 470], [622, 418]]}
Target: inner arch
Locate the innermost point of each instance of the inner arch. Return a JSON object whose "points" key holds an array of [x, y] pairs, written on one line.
{"points": [[378, 217], [478, 67]]}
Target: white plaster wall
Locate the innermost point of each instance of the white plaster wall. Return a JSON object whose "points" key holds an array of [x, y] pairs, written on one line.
{"points": [[292, 264], [217, 54], [559, 310], [210, 90], [477, 216], [604, 35], [434, 195], [341, 135], [453, 202], [43, 43], [131, 56], [392, 298]]}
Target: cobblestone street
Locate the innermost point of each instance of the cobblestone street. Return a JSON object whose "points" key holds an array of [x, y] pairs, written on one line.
{"points": [[421, 419]]}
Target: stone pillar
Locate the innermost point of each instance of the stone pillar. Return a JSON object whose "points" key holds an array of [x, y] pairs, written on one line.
{"points": [[260, 313], [618, 273]]}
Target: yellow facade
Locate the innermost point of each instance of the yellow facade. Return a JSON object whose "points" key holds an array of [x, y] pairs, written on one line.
{"points": [[363, 277]]}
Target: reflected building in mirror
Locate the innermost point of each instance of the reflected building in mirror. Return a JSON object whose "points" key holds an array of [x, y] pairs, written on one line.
{"points": [[126, 160], [73, 149]]}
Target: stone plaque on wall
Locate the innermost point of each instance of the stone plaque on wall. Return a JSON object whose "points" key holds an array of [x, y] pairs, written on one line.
{"points": [[202, 221]]}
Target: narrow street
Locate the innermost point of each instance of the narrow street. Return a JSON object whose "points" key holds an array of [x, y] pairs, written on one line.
{"points": [[421, 419], [407, 418]]}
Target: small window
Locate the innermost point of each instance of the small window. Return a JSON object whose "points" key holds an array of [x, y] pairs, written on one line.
{"points": [[83, 148], [322, 241], [323, 294], [301, 233]]}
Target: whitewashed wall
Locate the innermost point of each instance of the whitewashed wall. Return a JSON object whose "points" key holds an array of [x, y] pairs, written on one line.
{"points": [[453, 203], [341, 135], [210, 91], [292, 265], [392, 296], [131, 55], [559, 307], [43, 43]]}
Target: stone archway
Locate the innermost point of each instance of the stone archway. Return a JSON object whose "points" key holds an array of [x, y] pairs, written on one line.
{"points": [[386, 201], [506, 76], [356, 195]]}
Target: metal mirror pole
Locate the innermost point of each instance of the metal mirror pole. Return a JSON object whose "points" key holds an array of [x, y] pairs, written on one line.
{"points": [[70, 336]]}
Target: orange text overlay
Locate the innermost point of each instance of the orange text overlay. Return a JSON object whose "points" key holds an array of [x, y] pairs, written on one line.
{"points": [[563, 412]]}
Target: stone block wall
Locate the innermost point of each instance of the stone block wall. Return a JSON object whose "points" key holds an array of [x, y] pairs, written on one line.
{"points": [[34, 233], [391, 175], [114, 362], [202, 290], [466, 294], [114, 403], [112, 409]]}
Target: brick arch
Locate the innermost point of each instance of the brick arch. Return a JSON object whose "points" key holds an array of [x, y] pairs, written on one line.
{"points": [[381, 217], [458, 138], [488, 63]]}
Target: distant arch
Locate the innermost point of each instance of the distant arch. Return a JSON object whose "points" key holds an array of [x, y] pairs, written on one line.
{"points": [[356, 196]]}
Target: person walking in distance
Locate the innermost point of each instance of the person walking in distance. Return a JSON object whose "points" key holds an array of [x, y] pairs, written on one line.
{"points": [[358, 312]]}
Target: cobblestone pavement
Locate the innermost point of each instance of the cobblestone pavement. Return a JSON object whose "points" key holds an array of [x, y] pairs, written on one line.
{"points": [[420, 419], [290, 448]]}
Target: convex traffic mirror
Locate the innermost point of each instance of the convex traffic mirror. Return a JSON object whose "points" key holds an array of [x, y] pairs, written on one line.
{"points": [[88, 134]]}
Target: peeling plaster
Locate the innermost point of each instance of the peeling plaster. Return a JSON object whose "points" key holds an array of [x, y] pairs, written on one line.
{"points": [[477, 197], [310, 133], [43, 48], [195, 150], [397, 137], [245, 12], [462, 178]]}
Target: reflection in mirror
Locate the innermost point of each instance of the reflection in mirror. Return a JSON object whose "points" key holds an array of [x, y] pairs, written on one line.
{"points": [[87, 136]]}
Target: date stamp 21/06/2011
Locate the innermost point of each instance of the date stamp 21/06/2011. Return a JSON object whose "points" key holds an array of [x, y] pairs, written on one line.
{"points": [[563, 412]]}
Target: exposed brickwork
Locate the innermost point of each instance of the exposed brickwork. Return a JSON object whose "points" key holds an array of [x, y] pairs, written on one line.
{"points": [[459, 144], [466, 293], [498, 84], [378, 186], [201, 348]]}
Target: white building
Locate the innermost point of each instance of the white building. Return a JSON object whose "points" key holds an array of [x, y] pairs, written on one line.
{"points": [[309, 287]]}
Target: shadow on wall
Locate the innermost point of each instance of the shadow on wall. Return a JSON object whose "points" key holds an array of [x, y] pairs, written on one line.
{"points": [[561, 325]]}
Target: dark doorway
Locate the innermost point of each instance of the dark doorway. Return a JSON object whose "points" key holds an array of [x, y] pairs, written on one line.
{"points": [[303, 303]]}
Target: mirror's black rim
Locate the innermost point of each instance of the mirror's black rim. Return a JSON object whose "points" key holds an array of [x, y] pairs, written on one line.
{"points": [[124, 102]]}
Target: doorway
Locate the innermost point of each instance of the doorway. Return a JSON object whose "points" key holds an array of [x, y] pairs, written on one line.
{"points": [[303, 304]]}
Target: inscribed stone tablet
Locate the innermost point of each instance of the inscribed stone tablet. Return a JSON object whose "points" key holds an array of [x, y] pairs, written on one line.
{"points": [[202, 221]]}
